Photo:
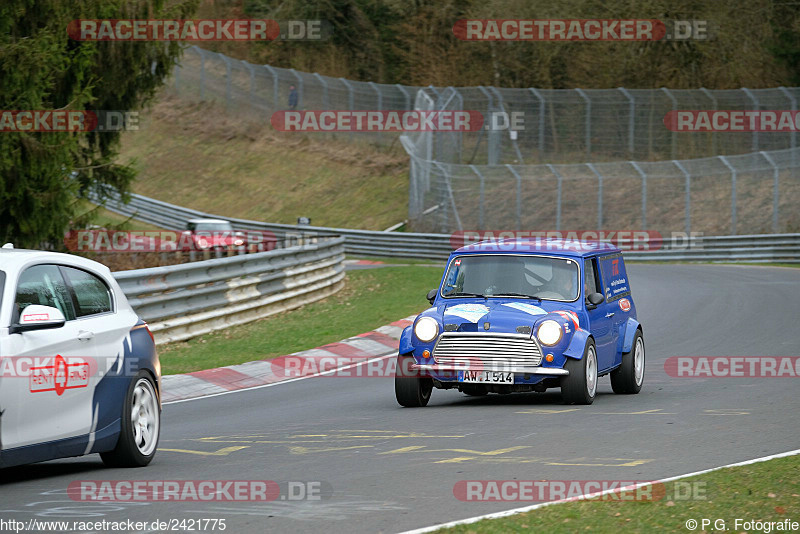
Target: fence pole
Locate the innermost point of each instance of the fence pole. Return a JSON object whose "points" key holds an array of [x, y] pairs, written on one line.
{"points": [[502, 107], [202, 72], [405, 95], [631, 120], [480, 202], [452, 198], [599, 195], [326, 103], [776, 177], [227, 80], [252, 72], [688, 214], [713, 132], [756, 105], [793, 134], [378, 92], [539, 96], [588, 126], [301, 101], [519, 195], [644, 192], [275, 89], [559, 179], [673, 151], [724, 160], [493, 139]]}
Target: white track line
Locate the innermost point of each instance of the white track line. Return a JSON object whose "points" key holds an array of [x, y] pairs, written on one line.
{"points": [[524, 509], [323, 373]]}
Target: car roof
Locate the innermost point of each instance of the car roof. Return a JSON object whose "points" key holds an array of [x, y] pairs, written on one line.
{"points": [[11, 258], [208, 221], [552, 247]]}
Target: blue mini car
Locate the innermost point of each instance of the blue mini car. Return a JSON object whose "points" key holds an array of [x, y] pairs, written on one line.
{"points": [[525, 315]]}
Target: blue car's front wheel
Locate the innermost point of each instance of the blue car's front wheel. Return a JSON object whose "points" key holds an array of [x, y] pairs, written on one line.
{"points": [[580, 386], [411, 391]]}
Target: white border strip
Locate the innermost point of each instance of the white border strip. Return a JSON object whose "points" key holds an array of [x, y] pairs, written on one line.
{"points": [[287, 381], [515, 511]]}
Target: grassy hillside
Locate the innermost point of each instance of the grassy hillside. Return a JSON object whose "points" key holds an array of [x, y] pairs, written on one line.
{"points": [[198, 155]]}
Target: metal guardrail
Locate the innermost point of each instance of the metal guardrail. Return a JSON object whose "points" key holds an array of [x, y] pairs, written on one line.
{"points": [[761, 248], [187, 300]]}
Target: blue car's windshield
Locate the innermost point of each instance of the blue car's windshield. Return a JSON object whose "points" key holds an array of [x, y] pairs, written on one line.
{"points": [[519, 276]]}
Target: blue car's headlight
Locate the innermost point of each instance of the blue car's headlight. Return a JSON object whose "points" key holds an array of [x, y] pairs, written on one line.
{"points": [[549, 333], [426, 329]]}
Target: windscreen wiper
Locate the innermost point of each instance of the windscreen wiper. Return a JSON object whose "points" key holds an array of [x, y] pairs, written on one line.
{"points": [[524, 295], [462, 294]]}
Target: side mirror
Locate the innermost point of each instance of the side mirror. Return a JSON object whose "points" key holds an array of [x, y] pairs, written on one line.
{"points": [[37, 317], [432, 295], [594, 300]]}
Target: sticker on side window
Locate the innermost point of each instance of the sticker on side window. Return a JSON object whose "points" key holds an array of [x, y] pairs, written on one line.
{"points": [[615, 278]]}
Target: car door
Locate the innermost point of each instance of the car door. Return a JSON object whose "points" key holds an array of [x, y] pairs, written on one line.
{"points": [[615, 287], [51, 399], [601, 318]]}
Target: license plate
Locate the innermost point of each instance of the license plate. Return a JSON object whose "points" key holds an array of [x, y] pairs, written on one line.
{"points": [[481, 377]]}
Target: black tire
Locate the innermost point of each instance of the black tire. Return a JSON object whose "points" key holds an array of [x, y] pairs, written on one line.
{"points": [[628, 378], [137, 449], [413, 391], [474, 390], [576, 388]]}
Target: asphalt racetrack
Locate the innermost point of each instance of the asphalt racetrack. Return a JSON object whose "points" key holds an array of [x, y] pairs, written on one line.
{"points": [[383, 468]]}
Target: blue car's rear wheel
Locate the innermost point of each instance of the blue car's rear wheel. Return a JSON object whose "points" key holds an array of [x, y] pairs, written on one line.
{"points": [[411, 391], [580, 386], [629, 377]]}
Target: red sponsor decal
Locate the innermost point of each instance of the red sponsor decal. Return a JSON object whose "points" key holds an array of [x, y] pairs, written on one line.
{"points": [[570, 315], [624, 305], [32, 317], [59, 377]]}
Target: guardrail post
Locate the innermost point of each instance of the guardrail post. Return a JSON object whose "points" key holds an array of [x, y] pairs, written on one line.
{"points": [[631, 120], [644, 192], [724, 160], [588, 126], [713, 132], [688, 215], [674, 134], [482, 188], [559, 179], [776, 177], [519, 195], [539, 96], [599, 195], [752, 97], [325, 100]]}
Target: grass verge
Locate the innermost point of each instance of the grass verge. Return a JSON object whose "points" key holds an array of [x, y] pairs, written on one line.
{"points": [[370, 298], [766, 491]]}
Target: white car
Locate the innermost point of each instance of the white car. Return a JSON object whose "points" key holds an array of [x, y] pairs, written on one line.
{"points": [[79, 372]]}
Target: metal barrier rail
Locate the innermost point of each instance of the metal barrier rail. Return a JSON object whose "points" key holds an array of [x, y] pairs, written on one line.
{"points": [[187, 300], [761, 248]]}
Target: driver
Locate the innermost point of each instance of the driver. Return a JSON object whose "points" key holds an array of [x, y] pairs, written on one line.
{"points": [[564, 280]]}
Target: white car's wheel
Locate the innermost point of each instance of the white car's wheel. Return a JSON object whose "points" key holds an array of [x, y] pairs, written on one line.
{"points": [[141, 426]]}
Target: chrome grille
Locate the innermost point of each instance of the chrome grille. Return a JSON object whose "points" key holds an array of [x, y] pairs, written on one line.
{"points": [[489, 350]]}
